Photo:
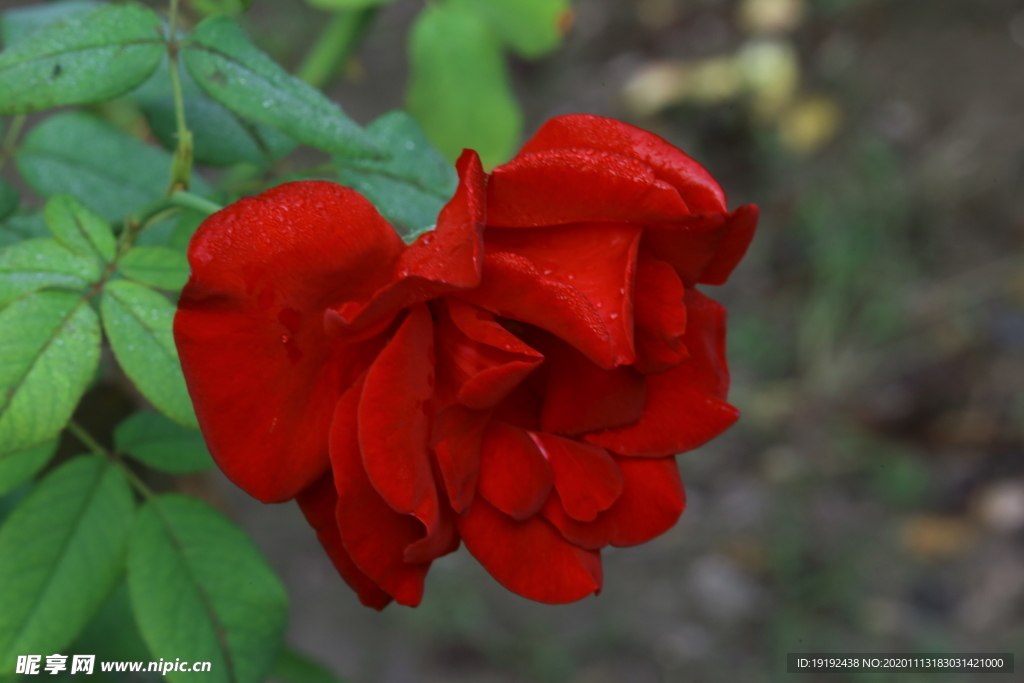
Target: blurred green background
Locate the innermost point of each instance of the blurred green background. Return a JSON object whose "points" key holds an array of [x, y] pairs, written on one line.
{"points": [[871, 499]]}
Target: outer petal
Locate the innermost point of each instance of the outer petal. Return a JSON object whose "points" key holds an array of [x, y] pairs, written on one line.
{"points": [[582, 397], [394, 420], [375, 536], [660, 316], [738, 233], [685, 406], [579, 185], [704, 247], [477, 357], [262, 374], [530, 557], [597, 259], [445, 259], [586, 477], [651, 502], [458, 432], [318, 504], [696, 186], [513, 288], [514, 475]]}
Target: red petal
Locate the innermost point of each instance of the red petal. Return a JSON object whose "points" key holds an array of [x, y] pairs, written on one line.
{"points": [[512, 288], [685, 406], [263, 375], [707, 369], [660, 316], [696, 186], [739, 231], [375, 536], [318, 503], [445, 259], [597, 259], [394, 424], [651, 502], [582, 397], [514, 476], [480, 359], [458, 433], [585, 476], [705, 247], [559, 186], [529, 558]]}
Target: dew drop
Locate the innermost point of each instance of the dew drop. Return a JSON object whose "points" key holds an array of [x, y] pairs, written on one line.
{"points": [[548, 272]]}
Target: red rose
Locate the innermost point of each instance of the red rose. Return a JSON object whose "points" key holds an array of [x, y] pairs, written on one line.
{"points": [[522, 386]]}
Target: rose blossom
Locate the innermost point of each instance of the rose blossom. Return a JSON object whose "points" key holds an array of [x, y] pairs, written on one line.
{"points": [[519, 378]]}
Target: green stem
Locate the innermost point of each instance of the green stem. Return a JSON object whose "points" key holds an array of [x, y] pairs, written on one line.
{"points": [[11, 139], [181, 167], [335, 45], [96, 447], [187, 200]]}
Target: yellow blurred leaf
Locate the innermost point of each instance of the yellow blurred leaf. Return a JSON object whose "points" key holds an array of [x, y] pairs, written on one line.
{"points": [[809, 124], [936, 537]]}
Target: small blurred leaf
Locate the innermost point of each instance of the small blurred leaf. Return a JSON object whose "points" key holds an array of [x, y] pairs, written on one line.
{"points": [[458, 88], [292, 666], [532, 28], [19, 22], [49, 350], [138, 323], [237, 74], [9, 199], [164, 445], [412, 185], [189, 565], [19, 467], [87, 57], [37, 264], [160, 267], [22, 227], [185, 228], [220, 138], [80, 229], [111, 173], [61, 551]]}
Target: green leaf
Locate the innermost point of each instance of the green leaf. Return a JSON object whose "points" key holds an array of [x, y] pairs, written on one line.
{"points": [[49, 350], [220, 138], [80, 229], [9, 199], [138, 324], [22, 227], [292, 666], [458, 88], [87, 57], [61, 552], [113, 637], [20, 466], [237, 74], [201, 591], [17, 23], [161, 267], [185, 228], [412, 185], [164, 445], [41, 263], [532, 28], [343, 5], [111, 173]]}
